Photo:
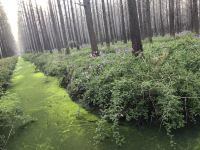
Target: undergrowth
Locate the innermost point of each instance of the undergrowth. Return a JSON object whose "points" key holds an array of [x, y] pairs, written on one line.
{"points": [[7, 66], [161, 89], [11, 116]]}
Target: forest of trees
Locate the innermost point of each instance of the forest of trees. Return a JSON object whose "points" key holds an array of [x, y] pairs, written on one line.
{"points": [[7, 43], [65, 23], [142, 71]]}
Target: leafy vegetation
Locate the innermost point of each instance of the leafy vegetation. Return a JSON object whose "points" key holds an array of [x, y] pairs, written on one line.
{"points": [[163, 88], [11, 116], [7, 66]]}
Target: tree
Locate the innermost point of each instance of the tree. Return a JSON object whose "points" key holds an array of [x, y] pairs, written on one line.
{"points": [[162, 29], [195, 19], [149, 27], [93, 41], [171, 18], [64, 34], [42, 26], [105, 23], [74, 25], [140, 17], [178, 16], [34, 27], [111, 25], [154, 18], [135, 29], [7, 42], [98, 22], [63, 23], [55, 27], [144, 16], [123, 23]]}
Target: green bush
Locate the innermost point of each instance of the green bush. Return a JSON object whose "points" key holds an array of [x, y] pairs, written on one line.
{"points": [[11, 118], [120, 86], [7, 66]]}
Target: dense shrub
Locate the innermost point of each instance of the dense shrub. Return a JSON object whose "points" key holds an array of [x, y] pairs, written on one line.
{"points": [[7, 66], [11, 116], [162, 88]]}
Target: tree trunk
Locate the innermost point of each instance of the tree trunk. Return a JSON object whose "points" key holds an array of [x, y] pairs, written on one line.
{"points": [[93, 41], [154, 18], [55, 28], [162, 30], [98, 22], [140, 18], [195, 18], [148, 14], [75, 26], [135, 29], [171, 18], [105, 24], [123, 22], [64, 34]]}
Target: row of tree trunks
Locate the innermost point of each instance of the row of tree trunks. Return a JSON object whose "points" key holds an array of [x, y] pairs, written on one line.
{"points": [[64, 23]]}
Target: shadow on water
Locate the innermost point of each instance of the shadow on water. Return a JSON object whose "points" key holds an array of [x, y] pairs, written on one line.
{"points": [[58, 127]]}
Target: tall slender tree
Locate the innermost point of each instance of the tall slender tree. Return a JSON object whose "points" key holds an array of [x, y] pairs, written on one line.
{"points": [[55, 27], [64, 34], [93, 41], [135, 29], [149, 27], [162, 29], [74, 25], [195, 17], [171, 17], [123, 23], [105, 24]]}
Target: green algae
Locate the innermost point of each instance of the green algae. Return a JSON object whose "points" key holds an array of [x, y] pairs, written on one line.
{"points": [[63, 125], [55, 112]]}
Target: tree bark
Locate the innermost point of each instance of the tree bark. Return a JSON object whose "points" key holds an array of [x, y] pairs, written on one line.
{"points": [[75, 26], [162, 29], [195, 18], [123, 23], [93, 41], [171, 18], [105, 24], [135, 29], [149, 27], [64, 34]]}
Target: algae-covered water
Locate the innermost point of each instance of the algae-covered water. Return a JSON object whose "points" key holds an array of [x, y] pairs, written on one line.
{"points": [[62, 124]]}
